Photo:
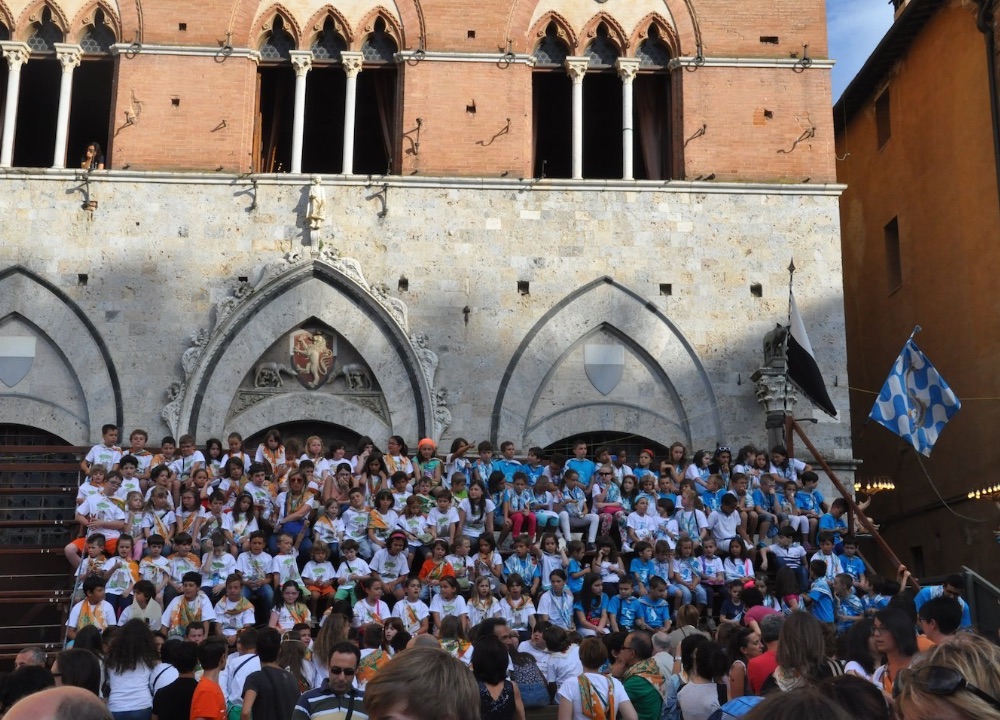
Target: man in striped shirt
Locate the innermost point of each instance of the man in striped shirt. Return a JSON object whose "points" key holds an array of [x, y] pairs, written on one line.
{"points": [[337, 698]]}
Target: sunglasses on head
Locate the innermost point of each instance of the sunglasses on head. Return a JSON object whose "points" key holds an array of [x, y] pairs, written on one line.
{"points": [[939, 680]]}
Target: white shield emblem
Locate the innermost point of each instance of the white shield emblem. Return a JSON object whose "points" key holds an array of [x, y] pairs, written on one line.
{"points": [[605, 365], [17, 353]]}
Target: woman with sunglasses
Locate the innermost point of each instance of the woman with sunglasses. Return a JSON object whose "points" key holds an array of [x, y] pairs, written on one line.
{"points": [[896, 639], [957, 679]]}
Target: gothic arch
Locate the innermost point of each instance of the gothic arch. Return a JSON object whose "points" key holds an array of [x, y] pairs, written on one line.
{"points": [[54, 318], [315, 26], [33, 15], [616, 34], [563, 31], [6, 18], [265, 22], [608, 306], [667, 33], [309, 289], [85, 18], [521, 31], [367, 26]]}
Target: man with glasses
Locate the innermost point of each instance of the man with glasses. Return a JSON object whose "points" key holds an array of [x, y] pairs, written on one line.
{"points": [[953, 587], [640, 675], [337, 698]]}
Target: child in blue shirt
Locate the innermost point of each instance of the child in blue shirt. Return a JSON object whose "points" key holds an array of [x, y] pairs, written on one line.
{"points": [[522, 563], [732, 607], [655, 610], [820, 600], [642, 567], [834, 522], [624, 607], [576, 569], [484, 466], [849, 607], [584, 467], [850, 562]]}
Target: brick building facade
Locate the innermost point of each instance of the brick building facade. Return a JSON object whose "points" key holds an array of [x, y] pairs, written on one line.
{"points": [[521, 202]]}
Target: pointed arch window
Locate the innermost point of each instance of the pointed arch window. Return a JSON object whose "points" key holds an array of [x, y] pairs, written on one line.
{"points": [[326, 92], [45, 34], [652, 109], [552, 108], [91, 100], [602, 52], [99, 37], [4, 32], [552, 51], [602, 109], [277, 43], [376, 132], [275, 101]]}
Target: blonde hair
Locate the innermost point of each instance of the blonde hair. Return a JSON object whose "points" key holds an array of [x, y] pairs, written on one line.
{"points": [[428, 682], [976, 659]]}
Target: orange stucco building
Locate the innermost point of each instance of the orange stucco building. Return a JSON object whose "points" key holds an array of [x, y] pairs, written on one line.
{"points": [[920, 224]]}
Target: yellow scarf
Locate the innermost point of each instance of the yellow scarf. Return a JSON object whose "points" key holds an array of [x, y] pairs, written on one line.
{"points": [[299, 612], [161, 527], [186, 524], [377, 521], [594, 706], [242, 605], [184, 615], [648, 670], [91, 615]]}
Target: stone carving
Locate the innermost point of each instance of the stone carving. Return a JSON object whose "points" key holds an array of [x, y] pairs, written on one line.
{"points": [[442, 415], [224, 308], [355, 377], [317, 204], [312, 356], [396, 307], [268, 375], [428, 358], [373, 403], [347, 266], [172, 410], [199, 339], [248, 399]]}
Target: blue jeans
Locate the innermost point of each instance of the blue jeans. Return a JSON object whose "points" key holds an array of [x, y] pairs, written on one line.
{"points": [[133, 714], [265, 593], [699, 595], [534, 696]]}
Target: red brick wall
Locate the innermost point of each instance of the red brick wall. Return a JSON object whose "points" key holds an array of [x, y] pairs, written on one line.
{"points": [[165, 137]]}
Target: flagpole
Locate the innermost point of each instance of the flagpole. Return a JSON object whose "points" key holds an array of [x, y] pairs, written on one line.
{"points": [[788, 333], [916, 329]]}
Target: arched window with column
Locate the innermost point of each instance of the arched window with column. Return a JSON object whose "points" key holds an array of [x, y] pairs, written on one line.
{"points": [[275, 100], [38, 100], [551, 107], [376, 134], [93, 81], [652, 109], [326, 86], [4, 36], [602, 110]]}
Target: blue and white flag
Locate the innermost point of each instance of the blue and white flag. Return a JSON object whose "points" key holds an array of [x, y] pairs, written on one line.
{"points": [[915, 402]]}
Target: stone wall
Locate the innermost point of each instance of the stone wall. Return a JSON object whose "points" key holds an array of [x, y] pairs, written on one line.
{"points": [[669, 273]]}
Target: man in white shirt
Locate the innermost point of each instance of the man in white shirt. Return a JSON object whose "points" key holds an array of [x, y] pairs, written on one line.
{"points": [[239, 665]]}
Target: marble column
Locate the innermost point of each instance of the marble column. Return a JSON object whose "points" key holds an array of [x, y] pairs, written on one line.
{"points": [[16, 54], [69, 58], [301, 63], [576, 67], [352, 66], [627, 68]]}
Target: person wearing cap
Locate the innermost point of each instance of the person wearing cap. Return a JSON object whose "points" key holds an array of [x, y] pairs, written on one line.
{"points": [[390, 566]]}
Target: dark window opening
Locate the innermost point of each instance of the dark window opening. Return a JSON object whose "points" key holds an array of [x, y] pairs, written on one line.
{"points": [[602, 125], [323, 135], [90, 109], [278, 43], [551, 51], [301, 430], [329, 44], [37, 107], [375, 120], [552, 110], [4, 32], [273, 129], [4, 72], [653, 53], [651, 112], [602, 52], [614, 441], [893, 260], [666, 289], [883, 124], [379, 47]]}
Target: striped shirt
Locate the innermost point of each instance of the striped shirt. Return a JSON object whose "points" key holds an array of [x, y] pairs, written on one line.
{"points": [[324, 704]]}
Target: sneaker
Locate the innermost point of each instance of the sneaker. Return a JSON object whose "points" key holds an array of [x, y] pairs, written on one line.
{"points": [[591, 547]]}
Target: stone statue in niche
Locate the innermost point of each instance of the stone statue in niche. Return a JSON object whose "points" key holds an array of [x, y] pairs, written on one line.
{"points": [[317, 204], [268, 375]]}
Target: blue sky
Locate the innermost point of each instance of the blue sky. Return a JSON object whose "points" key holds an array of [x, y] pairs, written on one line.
{"points": [[855, 28]]}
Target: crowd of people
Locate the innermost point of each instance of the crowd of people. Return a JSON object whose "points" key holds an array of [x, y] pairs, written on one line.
{"points": [[213, 584]]}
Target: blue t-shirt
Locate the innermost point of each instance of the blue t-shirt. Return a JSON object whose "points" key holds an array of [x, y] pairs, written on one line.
{"points": [[805, 501], [731, 610], [853, 566], [822, 606], [642, 570], [851, 606], [533, 473], [507, 467], [526, 568], [574, 584], [832, 524], [585, 469], [763, 501], [657, 613], [593, 613], [624, 610]]}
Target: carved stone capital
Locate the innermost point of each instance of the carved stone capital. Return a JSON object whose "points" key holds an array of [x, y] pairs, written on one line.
{"points": [[15, 53], [627, 68], [773, 390], [352, 62], [69, 56], [576, 68], [302, 61]]}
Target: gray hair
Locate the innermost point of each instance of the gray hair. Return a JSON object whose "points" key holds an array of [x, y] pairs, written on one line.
{"points": [[34, 655], [661, 643], [770, 627]]}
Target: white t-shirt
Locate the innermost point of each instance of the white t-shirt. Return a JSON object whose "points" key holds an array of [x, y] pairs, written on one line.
{"points": [[571, 691], [644, 526], [564, 666], [254, 567], [365, 614], [101, 507], [173, 610], [182, 467], [232, 622], [412, 614], [219, 568], [106, 611], [357, 566], [541, 656], [234, 675], [445, 608], [107, 456], [442, 521], [389, 567], [517, 619], [722, 526], [559, 610], [130, 689], [475, 525]]}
